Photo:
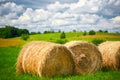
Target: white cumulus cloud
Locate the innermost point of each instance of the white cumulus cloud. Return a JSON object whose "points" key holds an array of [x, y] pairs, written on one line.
{"points": [[10, 7], [58, 7], [82, 15]]}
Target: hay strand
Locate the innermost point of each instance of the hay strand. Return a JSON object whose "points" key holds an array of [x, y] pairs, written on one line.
{"points": [[86, 56], [45, 59]]}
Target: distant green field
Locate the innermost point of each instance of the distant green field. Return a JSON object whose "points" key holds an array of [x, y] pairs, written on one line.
{"points": [[75, 36], [8, 56], [55, 37]]}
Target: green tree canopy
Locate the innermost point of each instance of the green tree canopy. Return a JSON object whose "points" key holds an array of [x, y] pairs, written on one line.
{"points": [[62, 36], [11, 31], [92, 32]]}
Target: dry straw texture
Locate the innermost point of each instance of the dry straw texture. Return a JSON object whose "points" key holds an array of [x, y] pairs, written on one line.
{"points": [[86, 56], [45, 59], [111, 54]]}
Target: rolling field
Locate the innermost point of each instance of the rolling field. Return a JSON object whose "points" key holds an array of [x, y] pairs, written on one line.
{"points": [[9, 51], [55, 37]]}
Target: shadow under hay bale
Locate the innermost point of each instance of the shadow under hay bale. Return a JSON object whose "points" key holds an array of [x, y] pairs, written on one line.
{"points": [[111, 54], [86, 56], [45, 59]]}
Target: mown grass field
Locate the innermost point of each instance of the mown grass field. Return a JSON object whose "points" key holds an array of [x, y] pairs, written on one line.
{"points": [[9, 51]]}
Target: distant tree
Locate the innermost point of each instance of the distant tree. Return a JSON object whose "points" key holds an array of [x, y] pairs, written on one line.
{"points": [[106, 31], [24, 36], [32, 33], [84, 33], [45, 32], [100, 31], [19, 32], [9, 31], [74, 30], [59, 31], [25, 31], [62, 36], [38, 32], [117, 32], [2, 33], [92, 32]]}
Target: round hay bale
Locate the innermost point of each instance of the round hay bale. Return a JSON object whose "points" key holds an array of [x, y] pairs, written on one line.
{"points": [[111, 54], [86, 56], [45, 59]]}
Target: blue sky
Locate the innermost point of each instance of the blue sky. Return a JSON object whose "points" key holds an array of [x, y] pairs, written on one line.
{"points": [[41, 15]]}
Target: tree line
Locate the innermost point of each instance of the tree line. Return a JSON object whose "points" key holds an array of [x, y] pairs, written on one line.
{"points": [[11, 31]]}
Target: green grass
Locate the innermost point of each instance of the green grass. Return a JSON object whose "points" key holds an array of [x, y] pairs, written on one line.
{"points": [[52, 37], [8, 58]]}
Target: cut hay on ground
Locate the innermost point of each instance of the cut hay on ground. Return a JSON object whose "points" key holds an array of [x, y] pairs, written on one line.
{"points": [[9, 42], [111, 54], [86, 56], [45, 59]]}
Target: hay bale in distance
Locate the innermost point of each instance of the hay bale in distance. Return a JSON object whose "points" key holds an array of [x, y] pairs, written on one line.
{"points": [[86, 56], [110, 51], [45, 59]]}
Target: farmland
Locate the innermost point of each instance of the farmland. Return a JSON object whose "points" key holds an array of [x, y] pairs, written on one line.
{"points": [[54, 37], [9, 51]]}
